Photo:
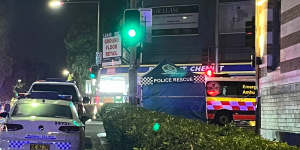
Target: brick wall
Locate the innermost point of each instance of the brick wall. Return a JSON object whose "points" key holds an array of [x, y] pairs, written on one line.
{"points": [[280, 110], [280, 89]]}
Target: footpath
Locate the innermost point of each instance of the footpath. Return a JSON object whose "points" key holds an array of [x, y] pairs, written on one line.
{"points": [[96, 133], [105, 145]]}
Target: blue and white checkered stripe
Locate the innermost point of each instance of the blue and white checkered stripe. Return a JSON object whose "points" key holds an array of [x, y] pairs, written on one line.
{"points": [[63, 145], [17, 144]]}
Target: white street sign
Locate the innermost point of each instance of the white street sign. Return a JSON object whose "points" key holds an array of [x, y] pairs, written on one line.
{"points": [[112, 46]]}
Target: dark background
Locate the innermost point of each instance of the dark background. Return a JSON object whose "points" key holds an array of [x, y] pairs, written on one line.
{"points": [[38, 32]]}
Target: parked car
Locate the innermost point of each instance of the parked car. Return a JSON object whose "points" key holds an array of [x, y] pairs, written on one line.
{"points": [[42, 124], [62, 88]]}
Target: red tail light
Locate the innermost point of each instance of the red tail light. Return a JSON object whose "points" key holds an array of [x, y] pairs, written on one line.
{"points": [[249, 33], [209, 72], [69, 129], [12, 127]]}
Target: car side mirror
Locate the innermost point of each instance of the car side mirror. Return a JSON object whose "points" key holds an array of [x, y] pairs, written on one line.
{"points": [[86, 100], [4, 114]]}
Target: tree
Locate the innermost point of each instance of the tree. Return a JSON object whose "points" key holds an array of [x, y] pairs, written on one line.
{"points": [[112, 22], [80, 42], [6, 62]]}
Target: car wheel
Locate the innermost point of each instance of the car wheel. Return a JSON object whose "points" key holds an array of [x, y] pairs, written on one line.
{"points": [[223, 118]]}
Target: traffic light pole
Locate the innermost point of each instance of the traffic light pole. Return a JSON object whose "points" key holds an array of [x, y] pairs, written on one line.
{"points": [[132, 75], [217, 37], [132, 72]]}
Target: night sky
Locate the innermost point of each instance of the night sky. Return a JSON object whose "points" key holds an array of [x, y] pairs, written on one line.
{"points": [[38, 31]]}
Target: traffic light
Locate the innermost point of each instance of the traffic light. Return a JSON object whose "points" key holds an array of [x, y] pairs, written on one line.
{"points": [[131, 31], [250, 33], [93, 72]]}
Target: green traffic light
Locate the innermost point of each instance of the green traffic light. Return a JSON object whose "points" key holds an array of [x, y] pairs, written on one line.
{"points": [[132, 33], [92, 76], [156, 127]]}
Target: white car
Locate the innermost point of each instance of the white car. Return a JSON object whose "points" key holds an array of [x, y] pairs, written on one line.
{"points": [[41, 124], [63, 88]]}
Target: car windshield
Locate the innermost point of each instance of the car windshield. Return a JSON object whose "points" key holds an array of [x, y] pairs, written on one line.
{"points": [[61, 89], [231, 89], [42, 110]]}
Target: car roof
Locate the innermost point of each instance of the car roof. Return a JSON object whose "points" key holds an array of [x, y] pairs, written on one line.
{"points": [[45, 101], [54, 83]]}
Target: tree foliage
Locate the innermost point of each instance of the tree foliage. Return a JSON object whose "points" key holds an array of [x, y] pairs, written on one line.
{"points": [[112, 14], [81, 38], [81, 43], [6, 62]]}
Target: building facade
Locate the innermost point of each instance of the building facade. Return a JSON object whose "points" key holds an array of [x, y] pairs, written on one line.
{"points": [[280, 75], [184, 31]]}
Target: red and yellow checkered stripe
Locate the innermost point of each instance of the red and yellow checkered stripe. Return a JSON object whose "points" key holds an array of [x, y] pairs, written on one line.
{"points": [[239, 104], [236, 105]]}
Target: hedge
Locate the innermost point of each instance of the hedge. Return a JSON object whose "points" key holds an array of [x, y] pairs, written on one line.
{"points": [[131, 127]]}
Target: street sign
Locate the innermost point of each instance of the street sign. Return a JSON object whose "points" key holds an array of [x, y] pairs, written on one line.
{"points": [[175, 20], [112, 50], [125, 56], [112, 46], [98, 58], [146, 23], [111, 61]]}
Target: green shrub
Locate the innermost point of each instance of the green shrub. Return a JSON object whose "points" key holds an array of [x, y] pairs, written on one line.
{"points": [[130, 127]]}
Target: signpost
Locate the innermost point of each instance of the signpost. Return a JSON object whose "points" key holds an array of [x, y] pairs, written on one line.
{"points": [[112, 50], [98, 58], [175, 20]]}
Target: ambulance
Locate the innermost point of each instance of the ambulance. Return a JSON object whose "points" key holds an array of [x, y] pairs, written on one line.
{"points": [[230, 99]]}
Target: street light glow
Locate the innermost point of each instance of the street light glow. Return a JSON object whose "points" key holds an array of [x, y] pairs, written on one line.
{"points": [[55, 4], [65, 72], [131, 33]]}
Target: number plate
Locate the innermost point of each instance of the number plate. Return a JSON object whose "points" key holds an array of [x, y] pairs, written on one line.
{"points": [[39, 147]]}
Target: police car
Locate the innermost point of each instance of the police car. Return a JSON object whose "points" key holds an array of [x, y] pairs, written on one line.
{"points": [[42, 124], [62, 87]]}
